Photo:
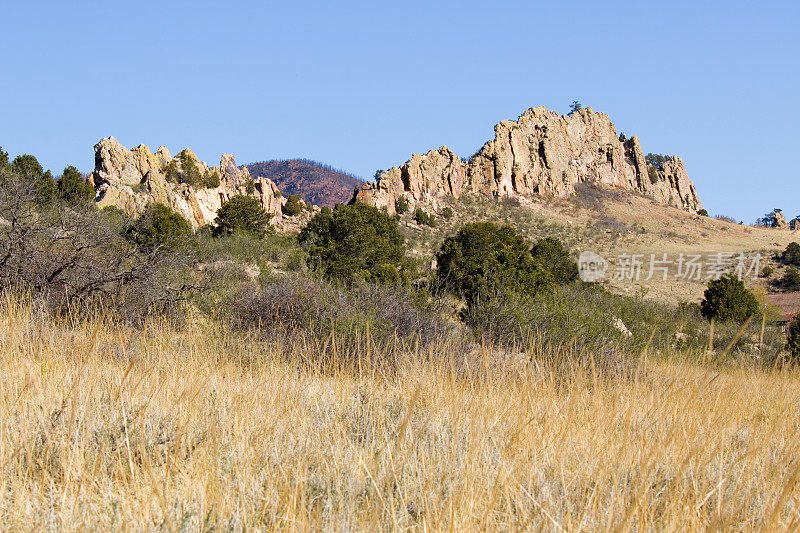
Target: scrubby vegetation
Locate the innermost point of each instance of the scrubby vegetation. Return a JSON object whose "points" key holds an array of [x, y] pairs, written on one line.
{"points": [[354, 242], [401, 205], [555, 260], [791, 255], [242, 214], [485, 262], [793, 341], [160, 377], [159, 225], [423, 218], [791, 279], [293, 205], [188, 172], [727, 299]]}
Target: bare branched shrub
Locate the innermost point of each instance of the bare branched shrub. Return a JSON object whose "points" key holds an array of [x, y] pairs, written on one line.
{"points": [[352, 317], [69, 256]]}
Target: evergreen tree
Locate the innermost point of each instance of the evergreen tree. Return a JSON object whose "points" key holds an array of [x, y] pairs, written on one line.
{"points": [[27, 166], [555, 260], [727, 298], [72, 188], [353, 242], [484, 261], [242, 213]]}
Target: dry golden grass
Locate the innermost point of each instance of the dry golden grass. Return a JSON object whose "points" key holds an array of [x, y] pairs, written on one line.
{"points": [[103, 427]]}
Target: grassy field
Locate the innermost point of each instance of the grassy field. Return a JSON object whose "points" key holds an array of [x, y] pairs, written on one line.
{"points": [[105, 427]]}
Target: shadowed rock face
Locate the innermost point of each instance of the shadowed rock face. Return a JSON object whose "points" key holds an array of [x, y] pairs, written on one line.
{"points": [[542, 153], [130, 179]]}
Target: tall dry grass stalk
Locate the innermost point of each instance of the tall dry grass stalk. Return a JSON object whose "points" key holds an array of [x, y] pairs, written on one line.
{"points": [[103, 427]]}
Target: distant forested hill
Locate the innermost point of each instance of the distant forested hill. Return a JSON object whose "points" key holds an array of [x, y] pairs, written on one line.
{"points": [[316, 182]]}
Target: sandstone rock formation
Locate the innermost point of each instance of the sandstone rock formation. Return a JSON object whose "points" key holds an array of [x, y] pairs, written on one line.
{"points": [[780, 221], [130, 179], [542, 153]]}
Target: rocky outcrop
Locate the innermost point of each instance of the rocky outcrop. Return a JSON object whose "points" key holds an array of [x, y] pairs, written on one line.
{"points": [[543, 154], [780, 221], [130, 179]]}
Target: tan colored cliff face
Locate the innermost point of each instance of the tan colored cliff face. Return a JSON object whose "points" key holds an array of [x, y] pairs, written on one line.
{"points": [[130, 179], [542, 153]]}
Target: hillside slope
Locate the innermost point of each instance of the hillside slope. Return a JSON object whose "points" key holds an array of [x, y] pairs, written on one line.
{"points": [[618, 225], [317, 183]]}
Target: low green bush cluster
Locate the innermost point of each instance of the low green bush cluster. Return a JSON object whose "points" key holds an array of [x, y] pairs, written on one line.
{"points": [[793, 340], [293, 206], [401, 205], [484, 262], [189, 173], [791, 255], [353, 242], [727, 299], [242, 214], [791, 279], [423, 218]]}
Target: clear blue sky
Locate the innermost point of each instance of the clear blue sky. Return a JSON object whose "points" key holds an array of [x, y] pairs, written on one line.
{"points": [[362, 86]]}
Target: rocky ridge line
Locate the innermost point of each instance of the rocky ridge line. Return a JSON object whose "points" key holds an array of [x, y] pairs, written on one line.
{"points": [[130, 179], [541, 154]]}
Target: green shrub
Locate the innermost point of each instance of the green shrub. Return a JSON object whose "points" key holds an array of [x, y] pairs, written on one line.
{"points": [[702, 213], [690, 308], [484, 261], [727, 299], [171, 172], [447, 213], [159, 225], [401, 205], [352, 242], [250, 187], [27, 166], [116, 219], [4, 162], [652, 173], [189, 174], [72, 188], [555, 260], [791, 279], [242, 213], [211, 179], [388, 275], [293, 206], [793, 340], [423, 218], [45, 189], [791, 255], [767, 271], [582, 319]]}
